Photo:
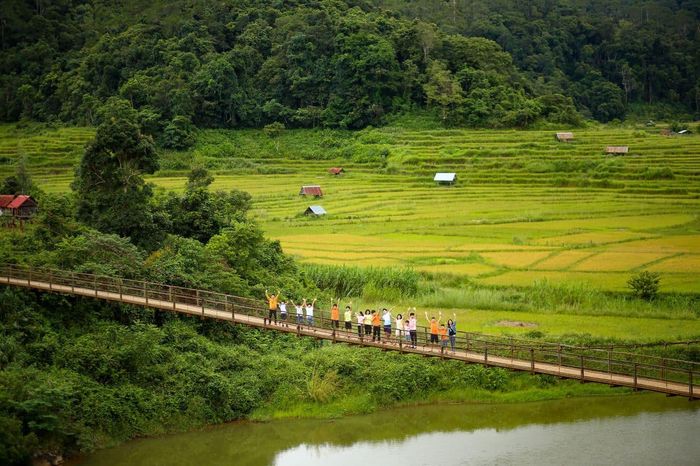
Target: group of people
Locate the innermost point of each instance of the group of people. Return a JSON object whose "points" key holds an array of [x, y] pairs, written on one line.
{"points": [[370, 322]]}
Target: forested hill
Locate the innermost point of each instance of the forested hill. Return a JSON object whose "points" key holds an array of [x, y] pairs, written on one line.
{"points": [[346, 63], [649, 49]]}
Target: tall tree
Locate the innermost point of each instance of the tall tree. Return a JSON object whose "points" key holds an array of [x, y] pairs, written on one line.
{"points": [[112, 195]]}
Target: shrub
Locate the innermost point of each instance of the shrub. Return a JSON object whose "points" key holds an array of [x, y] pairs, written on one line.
{"points": [[274, 129], [645, 285], [179, 133]]}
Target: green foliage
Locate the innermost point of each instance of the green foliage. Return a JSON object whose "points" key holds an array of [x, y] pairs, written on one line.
{"points": [[645, 285], [354, 281], [21, 182], [342, 64], [76, 380], [179, 133], [110, 191]]}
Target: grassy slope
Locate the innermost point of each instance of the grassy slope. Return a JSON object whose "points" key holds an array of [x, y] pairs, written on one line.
{"points": [[526, 207]]}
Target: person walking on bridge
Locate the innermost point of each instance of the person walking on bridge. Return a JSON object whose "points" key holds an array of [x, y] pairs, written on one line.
{"points": [[434, 327], [272, 300]]}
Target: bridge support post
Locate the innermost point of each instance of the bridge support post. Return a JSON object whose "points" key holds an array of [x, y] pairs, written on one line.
{"points": [[532, 360], [29, 277], [145, 291], [400, 343], [120, 290], [442, 351], [333, 334], [50, 280], [635, 377], [486, 354], [72, 283], [582, 373]]}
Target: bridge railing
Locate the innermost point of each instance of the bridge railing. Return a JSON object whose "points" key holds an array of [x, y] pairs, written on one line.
{"points": [[552, 358]]}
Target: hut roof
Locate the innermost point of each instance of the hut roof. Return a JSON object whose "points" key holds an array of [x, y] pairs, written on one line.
{"points": [[6, 199], [617, 149], [20, 200], [449, 177], [336, 170], [315, 210], [311, 190], [565, 136]]}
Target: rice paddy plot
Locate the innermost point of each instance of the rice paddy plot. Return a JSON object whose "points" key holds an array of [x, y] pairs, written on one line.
{"points": [[525, 207]]}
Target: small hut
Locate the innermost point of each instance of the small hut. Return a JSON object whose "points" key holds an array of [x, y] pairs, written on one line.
{"points": [[336, 171], [23, 207], [445, 178], [616, 150], [564, 137], [5, 200], [311, 190], [315, 210]]}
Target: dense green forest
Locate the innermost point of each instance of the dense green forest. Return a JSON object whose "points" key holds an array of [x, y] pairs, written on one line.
{"points": [[346, 64]]}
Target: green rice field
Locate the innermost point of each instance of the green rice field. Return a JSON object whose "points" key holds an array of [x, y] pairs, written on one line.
{"points": [[525, 207]]}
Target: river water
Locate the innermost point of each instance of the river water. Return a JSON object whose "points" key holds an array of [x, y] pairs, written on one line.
{"points": [[646, 429]]}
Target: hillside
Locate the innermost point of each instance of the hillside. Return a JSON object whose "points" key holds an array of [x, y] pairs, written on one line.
{"points": [[529, 208], [347, 64]]}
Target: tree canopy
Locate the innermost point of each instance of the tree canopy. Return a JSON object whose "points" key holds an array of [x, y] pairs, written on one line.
{"points": [[344, 63]]}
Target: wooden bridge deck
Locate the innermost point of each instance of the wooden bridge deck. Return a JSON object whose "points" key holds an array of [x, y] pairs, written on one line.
{"points": [[636, 379]]}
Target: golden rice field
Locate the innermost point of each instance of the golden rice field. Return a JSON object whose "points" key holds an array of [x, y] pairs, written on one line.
{"points": [[525, 207]]}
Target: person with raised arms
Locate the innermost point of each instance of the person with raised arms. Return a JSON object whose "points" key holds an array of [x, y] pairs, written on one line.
{"points": [[368, 323], [376, 327], [360, 324], [299, 308], [452, 331], [399, 327], [335, 315], [434, 327], [272, 300], [413, 327], [347, 317], [310, 312], [386, 322]]}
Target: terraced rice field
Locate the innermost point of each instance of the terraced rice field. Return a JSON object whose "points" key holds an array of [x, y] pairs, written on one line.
{"points": [[525, 207]]}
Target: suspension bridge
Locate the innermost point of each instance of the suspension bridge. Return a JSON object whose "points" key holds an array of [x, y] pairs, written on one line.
{"points": [[638, 371]]}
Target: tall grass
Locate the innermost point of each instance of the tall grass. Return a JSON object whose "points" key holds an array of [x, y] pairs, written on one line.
{"points": [[574, 298], [356, 281]]}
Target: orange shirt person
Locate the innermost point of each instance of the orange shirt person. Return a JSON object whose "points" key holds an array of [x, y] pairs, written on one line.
{"points": [[443, 335], [434, 327], [376, 327], [335, 315]]}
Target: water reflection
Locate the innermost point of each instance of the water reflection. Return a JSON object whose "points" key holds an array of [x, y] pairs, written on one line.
{"points": [[644, 429]]}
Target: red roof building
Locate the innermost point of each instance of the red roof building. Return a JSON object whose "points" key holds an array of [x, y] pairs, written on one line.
{"points": [[311, 190], [5, 200], [22, 207]]}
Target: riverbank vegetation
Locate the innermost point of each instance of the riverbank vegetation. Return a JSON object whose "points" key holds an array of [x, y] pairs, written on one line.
{"points": [[78, 374]]}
